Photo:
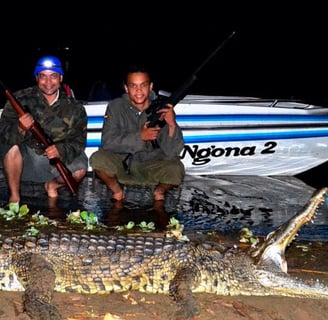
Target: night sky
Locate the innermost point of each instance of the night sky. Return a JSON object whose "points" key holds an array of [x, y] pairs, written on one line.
{"points": [[277, 51]]}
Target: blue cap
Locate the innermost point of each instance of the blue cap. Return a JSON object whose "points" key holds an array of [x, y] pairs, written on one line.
{"points": [[48, 63]]}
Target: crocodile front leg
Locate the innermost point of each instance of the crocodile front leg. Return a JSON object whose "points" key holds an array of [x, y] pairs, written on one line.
{"points": [[39, 290], [181, 292]]}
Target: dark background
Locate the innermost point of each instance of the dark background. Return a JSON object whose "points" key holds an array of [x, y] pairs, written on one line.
{"points": [[278, 51]]}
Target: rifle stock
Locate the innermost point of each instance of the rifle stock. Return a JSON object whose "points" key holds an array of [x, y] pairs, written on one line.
{"points": [[179, 94], [46, 141]]}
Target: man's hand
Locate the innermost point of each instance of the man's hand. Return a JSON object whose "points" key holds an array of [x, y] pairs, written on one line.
{"points": [[149, 134], [168, 115], [25, 122], [52, 152]]}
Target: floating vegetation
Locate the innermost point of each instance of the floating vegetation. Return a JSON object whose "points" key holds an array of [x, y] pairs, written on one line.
{"points": [[88, 220], [175, 230], [143, 226], [246, 236], [14, 211]]}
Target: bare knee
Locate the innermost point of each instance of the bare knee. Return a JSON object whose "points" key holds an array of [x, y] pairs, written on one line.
{"points": [[13, 155], [79, 174]]}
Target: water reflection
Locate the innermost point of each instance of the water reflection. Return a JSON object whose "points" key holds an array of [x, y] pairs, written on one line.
{"points": [[222, 204], [93, 196], [120, 214]]}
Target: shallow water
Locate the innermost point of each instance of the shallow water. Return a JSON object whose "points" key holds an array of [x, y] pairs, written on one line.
{"points": [[201, 204]]}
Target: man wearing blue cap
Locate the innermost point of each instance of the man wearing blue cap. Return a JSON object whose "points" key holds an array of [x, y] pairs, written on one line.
{"points": [[61, 117]]}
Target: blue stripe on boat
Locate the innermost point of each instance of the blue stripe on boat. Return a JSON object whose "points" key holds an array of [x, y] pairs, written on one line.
{"points": [[251, 117], [253, 136], [256, 136], [98, 120]]}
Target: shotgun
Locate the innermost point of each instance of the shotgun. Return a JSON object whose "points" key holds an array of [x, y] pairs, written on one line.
{"points": [[45, 141]]}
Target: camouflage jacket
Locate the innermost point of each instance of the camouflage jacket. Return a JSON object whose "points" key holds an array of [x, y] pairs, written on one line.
{"points": [[65, 122]]}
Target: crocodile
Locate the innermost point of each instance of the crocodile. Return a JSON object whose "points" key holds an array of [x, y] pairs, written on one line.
{"points": [[89, 264]]}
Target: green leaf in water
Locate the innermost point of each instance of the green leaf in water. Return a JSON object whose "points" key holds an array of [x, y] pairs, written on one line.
{"points": [[130, 225], [14, 207]]}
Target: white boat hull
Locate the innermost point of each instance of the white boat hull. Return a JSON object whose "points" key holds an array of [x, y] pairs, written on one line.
{"points": [[241, 136]]}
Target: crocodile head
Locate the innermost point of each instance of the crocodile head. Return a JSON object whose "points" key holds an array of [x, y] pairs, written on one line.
{"points": [[272, 251]]}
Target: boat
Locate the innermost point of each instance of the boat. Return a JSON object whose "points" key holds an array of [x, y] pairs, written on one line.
{"points": [[226, 135]]}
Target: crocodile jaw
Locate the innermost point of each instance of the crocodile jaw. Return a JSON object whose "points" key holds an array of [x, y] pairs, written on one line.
{"points": [[272, 251]]}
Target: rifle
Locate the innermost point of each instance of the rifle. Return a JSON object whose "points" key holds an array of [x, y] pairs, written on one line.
{"points": [[161, 101], [45, 141]]}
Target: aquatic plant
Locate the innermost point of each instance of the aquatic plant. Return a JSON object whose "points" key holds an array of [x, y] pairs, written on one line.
{"points": [[14, 211]]}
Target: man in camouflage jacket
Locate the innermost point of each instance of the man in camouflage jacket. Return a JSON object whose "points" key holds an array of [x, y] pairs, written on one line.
{"points": [[62, 118]]}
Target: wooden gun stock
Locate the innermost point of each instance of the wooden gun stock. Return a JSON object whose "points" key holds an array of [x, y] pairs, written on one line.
{"points": [[40, 135]]}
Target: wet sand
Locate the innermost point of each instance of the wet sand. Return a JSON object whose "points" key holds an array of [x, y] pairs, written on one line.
{"points": [[132, 305]]}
